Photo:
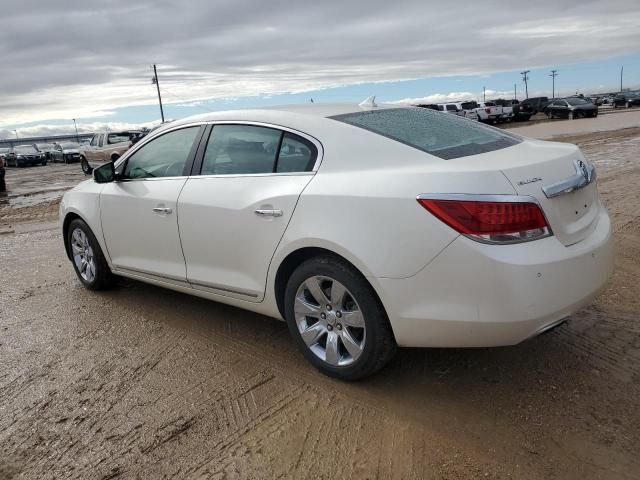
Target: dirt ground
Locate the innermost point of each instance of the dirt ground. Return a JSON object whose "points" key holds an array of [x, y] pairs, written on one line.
{"points": [[141, 382]]}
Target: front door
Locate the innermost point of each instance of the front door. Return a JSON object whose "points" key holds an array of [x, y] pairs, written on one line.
{"points": [[139, 212], [234, 214]]}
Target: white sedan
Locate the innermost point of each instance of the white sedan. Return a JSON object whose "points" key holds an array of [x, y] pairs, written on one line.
{"points": [[365, 227]]}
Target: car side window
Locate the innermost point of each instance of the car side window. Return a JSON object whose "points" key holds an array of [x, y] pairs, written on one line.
{"points": [[164, 156], [94, 141], [296, 154], [241, 149]]}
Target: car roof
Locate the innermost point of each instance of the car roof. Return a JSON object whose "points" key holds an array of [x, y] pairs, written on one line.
{"points": [[305, 117], [318, 110]]}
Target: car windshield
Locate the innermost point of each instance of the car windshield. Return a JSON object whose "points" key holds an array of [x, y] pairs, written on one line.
{"points": [[25, 149], [576, 101], [44, 146], [69, 145], [469, 105], [445, 136]]}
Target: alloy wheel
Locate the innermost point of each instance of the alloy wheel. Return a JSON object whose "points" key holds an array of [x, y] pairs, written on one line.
{"points": [[83, 256], [330, 321]]}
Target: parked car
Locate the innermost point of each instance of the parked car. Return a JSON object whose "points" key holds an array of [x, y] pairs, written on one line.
{"points": [[535, 104], [66, 152], [107, 146], [466, 242], [626, 100], [44, 148], [571, 107], [3, 185], [24, 156], [469, 109], [3, 153], [431, 106], [512, 110], [489, 112], [450, 108]]}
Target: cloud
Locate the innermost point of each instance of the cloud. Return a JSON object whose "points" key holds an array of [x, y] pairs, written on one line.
{"points": [[43, 130], [63, 59]]}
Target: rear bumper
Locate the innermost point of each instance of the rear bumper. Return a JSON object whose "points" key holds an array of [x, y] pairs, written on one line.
{"points": [[479, 295]]}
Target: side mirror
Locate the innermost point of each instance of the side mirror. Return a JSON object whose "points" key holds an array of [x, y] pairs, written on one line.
{"points": [[105, 173]]}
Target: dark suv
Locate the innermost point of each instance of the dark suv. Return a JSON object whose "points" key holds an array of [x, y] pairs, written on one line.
{"points": [[535, 104]]}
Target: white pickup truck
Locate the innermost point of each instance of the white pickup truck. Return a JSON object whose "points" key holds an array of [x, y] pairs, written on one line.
{"points": [[489, 112]]}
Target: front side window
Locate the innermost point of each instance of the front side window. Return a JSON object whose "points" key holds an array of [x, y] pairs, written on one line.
{"points": [[445, 136], [164, 156]]}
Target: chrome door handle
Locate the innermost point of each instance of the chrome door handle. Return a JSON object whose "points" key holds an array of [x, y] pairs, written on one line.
{"points": [[269, 213], [162, 210]]}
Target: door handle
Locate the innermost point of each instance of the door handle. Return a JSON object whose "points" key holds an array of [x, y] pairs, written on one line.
{"points": [[162, 210], [269, 213]]}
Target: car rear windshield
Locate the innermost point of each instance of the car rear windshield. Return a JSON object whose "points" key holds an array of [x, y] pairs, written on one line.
{"points": [[25, 149], [441, 135], [576, 101]]}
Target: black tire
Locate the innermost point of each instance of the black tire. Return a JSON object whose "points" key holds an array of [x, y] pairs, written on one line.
{"points": [[84, 164], [103, 279], [379, 344]]}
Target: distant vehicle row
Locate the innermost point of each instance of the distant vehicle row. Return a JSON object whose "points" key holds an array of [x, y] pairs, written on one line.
{"points": [[494, 111], [40, 154]]}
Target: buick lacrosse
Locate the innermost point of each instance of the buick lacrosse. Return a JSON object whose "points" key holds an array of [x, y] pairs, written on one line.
{"points": [[365, 227]]}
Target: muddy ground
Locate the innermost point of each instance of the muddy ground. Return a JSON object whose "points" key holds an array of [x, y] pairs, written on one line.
{"points": [[141, 382]]}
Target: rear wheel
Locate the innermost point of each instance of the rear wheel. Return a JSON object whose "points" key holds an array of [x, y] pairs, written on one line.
{"points": [[337, 320], [87, 257]]}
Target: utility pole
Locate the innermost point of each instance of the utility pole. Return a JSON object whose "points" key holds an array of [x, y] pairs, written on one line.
{"points": [[484, 94], [16, 134], [525, 78], [553, 75], [155, 80], [515, 91], [76, 126], [621, 70]]}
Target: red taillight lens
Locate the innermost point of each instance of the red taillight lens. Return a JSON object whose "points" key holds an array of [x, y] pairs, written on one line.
{"points": [[495, 221], [488, 110]]}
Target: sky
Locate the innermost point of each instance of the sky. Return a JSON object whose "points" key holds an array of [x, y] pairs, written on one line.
{"points": [[91, 60]]}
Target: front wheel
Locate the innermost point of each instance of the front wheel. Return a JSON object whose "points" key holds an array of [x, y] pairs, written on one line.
{"points": [[84, 164], [337, 320], [87, 257]]}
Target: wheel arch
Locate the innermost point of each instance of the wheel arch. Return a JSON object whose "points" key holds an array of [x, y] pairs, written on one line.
{"points": [[69, 217], [296, 258]]}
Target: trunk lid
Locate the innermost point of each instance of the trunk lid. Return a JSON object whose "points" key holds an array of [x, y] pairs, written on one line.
{"points": [[572, 216]]}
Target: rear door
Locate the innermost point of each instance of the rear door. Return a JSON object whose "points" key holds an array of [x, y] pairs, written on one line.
{"points": [[233, 215]]}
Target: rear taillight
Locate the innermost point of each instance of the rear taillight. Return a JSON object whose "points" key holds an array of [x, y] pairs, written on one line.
{"points": [[488, 110], [500, 219]]}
